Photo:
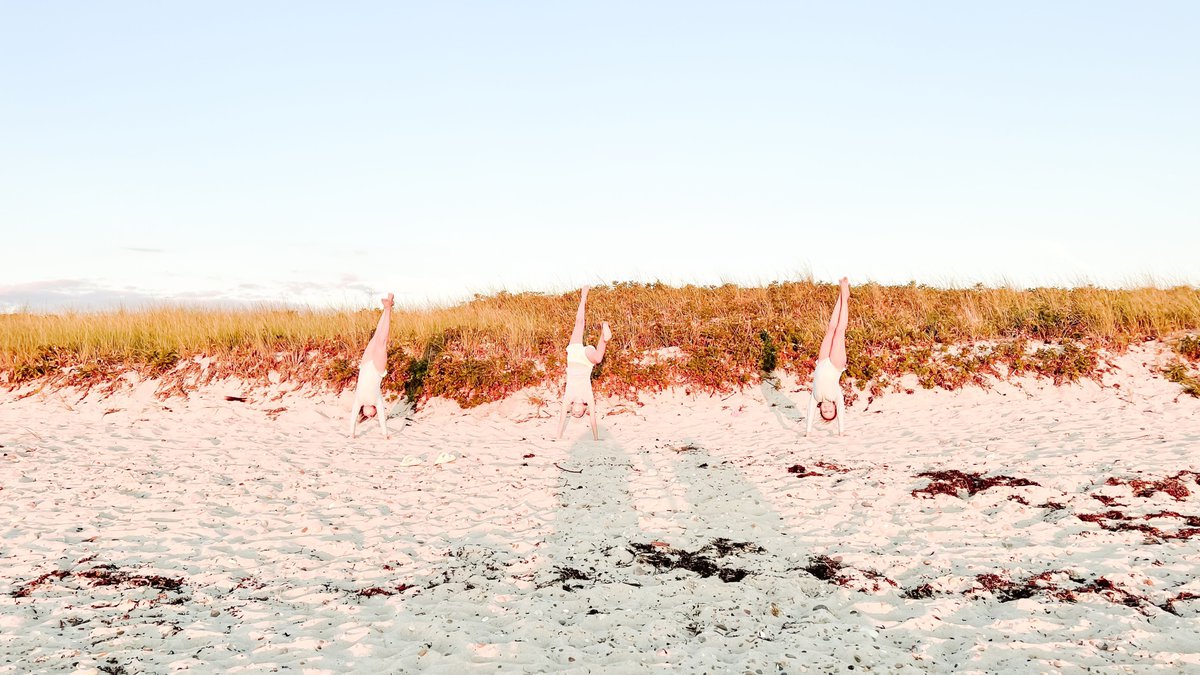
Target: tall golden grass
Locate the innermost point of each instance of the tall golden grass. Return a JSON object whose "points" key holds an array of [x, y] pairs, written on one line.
{"points": [[726, 337]]}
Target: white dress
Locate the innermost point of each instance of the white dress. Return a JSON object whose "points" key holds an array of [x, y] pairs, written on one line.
{"points": [[369, 392], [827, 381], [826, 386], [579, 376], [370, 380]]}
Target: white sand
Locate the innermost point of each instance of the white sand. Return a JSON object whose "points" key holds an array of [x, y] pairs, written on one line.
{"points": [[275, 525]]}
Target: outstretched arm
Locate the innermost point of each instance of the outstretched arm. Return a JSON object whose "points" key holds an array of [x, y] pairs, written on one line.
{"points": [[577, 333], [592, 414], [841, 409], [562, 417], [377, 347], [812, 410], [354, 420], [381, 412]]}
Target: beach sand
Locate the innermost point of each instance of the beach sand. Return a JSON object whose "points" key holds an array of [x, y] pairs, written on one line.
{"points": [[139, 535]]}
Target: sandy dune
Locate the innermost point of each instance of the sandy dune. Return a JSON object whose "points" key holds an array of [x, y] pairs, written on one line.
{"points": [[206, 534]]}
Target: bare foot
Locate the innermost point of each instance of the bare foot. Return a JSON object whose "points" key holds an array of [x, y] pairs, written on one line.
{"points": [[605, 331], [389, 301]]}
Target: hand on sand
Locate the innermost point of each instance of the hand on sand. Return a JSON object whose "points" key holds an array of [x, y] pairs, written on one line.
{"points": [[605, 331], [389, 301]]}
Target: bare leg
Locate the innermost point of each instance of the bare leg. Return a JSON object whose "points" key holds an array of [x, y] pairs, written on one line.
{"points": [[597, 353], [577, 334], [377, 348], [838, 353], [827, 342]]}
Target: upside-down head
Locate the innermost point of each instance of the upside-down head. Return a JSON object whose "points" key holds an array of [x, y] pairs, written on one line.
{"points": [[368, 411], [579, 409], [828, 410]]}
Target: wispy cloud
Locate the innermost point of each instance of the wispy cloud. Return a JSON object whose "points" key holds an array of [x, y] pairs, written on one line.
{"points": [[87, 295], [59, 295], [62, 294]]}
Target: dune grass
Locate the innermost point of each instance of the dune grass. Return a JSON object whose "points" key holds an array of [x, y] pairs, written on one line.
{"points": [[710, 339]]}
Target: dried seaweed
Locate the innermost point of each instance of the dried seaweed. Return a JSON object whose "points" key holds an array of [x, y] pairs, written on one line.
{"points": [[1172, 485], [955, 482], [104, 575], [376, 590], [835, 572], [702, 561]]}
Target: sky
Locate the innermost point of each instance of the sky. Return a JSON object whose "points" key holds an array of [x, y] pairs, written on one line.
{"points": [[320, 154]]}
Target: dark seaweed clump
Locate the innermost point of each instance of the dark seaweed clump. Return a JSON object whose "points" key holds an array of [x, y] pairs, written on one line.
{"points": [[919, 592], [1005, 590], [1060, 585], [702, 561], [1172, 485], [1116, 521], [377, 590], [956, 482], [103, 575], [565, 575], [835, 572], [802, 472], [824, 568]]}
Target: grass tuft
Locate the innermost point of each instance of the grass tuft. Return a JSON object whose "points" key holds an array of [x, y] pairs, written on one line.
{"points": [[1178, 373], [1189, 347]]}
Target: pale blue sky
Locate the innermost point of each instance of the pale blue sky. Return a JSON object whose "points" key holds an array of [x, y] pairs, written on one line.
{"points": [[322, 152]]}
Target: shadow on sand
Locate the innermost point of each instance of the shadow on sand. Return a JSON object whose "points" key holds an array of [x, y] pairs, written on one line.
{"points": [[786, 410]]}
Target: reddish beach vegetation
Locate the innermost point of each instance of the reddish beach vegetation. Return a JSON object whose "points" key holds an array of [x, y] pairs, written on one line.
{"points": [[707, 339]]}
